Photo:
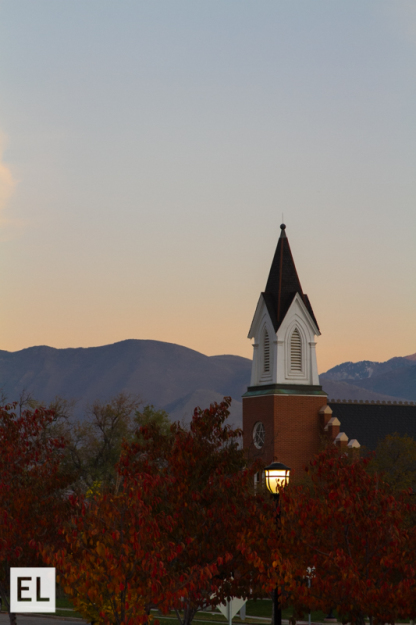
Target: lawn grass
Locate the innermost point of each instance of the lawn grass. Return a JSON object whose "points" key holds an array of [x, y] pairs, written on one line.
{"points": [[263, 607], [254, 608], [260, 608], [64, 602]]}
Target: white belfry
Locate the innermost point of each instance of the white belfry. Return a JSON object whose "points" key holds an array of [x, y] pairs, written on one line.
{"points": [[284, 327]]}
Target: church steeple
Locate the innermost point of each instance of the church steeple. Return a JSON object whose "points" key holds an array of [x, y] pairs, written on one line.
{"points": [[283, 283], [284, 326], [284, 399]]}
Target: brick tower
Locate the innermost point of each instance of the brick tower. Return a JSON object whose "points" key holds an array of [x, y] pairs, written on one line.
{"points": [[283, 408]]}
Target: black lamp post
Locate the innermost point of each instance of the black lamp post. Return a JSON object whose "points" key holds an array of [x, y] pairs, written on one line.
{"points": [[277, 476]]}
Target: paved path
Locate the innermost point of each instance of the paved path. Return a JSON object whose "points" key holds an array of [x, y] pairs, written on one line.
{"points": [[28, 619]]}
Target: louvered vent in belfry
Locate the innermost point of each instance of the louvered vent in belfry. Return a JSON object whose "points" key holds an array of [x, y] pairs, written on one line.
{"points": [[266, 348], [295, 351]]}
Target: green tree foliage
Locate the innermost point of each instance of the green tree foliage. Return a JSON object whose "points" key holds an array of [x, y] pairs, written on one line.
{"points": [[94, 442], [395, 459], [150, 416]]}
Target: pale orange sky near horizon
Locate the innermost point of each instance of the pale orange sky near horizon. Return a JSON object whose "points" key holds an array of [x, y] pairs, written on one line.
{"points": [[148, 152]]}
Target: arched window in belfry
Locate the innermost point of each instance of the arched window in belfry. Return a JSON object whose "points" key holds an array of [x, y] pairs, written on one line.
{"points": [[295, 351], [266, 352]]}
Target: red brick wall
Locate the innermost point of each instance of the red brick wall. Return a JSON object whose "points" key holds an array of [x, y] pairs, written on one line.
{"points": [[292, 427]]}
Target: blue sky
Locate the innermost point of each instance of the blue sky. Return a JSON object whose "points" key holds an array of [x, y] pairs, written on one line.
{"points": [[149, 150]]}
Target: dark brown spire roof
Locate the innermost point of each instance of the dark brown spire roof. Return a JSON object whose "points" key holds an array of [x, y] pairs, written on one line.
{"points": [[283, 283]]}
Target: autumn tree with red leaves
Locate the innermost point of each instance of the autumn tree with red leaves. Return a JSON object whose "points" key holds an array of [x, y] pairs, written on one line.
{"points": [[209, 497], [119, 558], [167, 538], [32, 488], [349, 528]]}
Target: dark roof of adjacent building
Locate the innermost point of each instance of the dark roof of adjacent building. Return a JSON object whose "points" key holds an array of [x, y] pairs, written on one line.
{"points": [[283, 283], [370, 422]]}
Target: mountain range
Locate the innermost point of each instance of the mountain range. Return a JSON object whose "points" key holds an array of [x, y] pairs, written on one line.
{"points": [[177, 378], [166, 375], [392, 380]]}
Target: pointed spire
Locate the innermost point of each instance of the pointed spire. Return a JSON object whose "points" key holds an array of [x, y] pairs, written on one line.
{"points": [[283, 283]]}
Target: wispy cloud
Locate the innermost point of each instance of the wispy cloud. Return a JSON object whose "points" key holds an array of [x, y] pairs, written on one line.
{"points": [[7, 182]]}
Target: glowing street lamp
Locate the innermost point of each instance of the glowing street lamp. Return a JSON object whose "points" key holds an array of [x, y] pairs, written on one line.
{"points": [[277, 476]]}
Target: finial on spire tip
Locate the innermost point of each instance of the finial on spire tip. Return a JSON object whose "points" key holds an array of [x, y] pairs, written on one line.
{"points": [[283, 226]]}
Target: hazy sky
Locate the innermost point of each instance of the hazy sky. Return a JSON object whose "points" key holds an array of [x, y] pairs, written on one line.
{"points": [[149, 149]]}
